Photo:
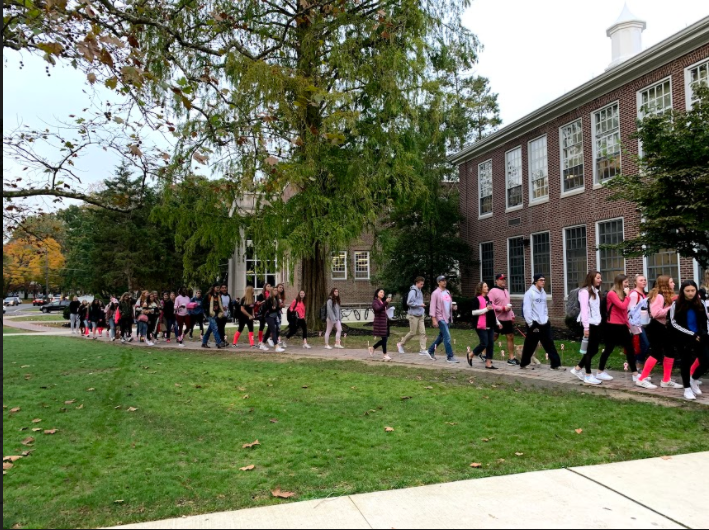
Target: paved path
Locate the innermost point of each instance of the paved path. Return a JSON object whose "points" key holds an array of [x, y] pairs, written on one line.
{"points": [[640, 494], [541, 375]]}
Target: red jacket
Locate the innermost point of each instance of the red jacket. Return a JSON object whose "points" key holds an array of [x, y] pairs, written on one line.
{"points": [[298, 306]]}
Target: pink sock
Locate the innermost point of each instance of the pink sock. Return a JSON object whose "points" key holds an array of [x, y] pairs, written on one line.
{"points": [[649, 365], [668, 364], [694, 367]]}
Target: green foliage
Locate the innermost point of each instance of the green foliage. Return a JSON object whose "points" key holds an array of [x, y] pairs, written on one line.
{"points": [[672, 188]]}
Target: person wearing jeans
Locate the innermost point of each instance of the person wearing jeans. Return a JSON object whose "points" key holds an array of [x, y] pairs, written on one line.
{"points": [[536, 313], [486, 325], [214, 310], [441, 311], [416, 315], [74, 314]]}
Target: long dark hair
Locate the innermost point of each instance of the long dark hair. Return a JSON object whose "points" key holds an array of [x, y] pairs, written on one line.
{"points": [[590, 283], [376, 293], [684, 304], [479, 288], [335, 299], [618, 286]]}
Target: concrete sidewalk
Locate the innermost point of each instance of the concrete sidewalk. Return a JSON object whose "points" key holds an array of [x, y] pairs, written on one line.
{"points": [[655, 493]]}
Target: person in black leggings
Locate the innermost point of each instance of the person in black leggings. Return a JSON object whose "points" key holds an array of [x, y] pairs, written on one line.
{"points": [[486, 325], [245, 315], [299, 322]]}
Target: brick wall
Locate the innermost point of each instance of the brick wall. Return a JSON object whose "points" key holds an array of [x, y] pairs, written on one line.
{"points": [[559, 212]]}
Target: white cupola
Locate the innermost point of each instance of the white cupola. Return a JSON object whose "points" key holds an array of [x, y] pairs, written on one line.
{"points": [[626, 36]]}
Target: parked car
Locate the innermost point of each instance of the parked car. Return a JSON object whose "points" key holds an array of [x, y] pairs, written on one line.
{"points": [[39, 301], [12, 301], [54, 307]]}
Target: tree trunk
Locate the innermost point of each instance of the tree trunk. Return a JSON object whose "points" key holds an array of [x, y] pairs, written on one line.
{"points": [[315, 287]]}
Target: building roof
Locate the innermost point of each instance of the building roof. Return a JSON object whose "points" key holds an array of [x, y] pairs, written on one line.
{"points": [[627, 16], [670, 49]]}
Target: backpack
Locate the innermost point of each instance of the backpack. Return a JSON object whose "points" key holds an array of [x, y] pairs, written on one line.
{"points": [[635, 316], [323, 313], [605, 314], [291, 315], [573, 306], [405, 301]]}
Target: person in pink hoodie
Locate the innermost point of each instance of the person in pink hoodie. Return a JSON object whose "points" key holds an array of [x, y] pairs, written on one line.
{"points": [[661, 345], [500, 298], [182, 316]]}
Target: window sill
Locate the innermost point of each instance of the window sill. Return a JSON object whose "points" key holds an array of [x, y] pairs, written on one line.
{"points": [[515, 208], [538, 202], [599, 186], [363, 279], [339, 279], [573, 193], [486, 216]]}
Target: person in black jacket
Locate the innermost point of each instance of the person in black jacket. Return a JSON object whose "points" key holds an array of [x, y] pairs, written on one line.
{"points": [[96, 316], [74, 315], [486, 324]]}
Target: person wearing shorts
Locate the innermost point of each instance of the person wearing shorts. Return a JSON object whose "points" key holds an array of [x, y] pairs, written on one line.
{"points": [[500, 298]]}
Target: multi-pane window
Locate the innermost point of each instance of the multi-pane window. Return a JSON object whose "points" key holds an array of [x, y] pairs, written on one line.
{"points": [[572, 156], [485, 187], [611, 262], [513, 171], [361, 261], [339, 265], [487, 263], [576, 257], [663, 263], [607, 143], [516, 261], [259, 272], [538, 169], [541, 257], [697, 75], [655, 100]]}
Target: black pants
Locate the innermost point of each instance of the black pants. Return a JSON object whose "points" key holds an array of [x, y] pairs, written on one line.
{"points": [[246, 323], [293, 329], [126, 328], [618, 335], [195, 320], [661, 345], [273, 331], [535, 335], [383, 343], [594, 344], [152, 326], [487, 343], [221, 326], [691, 352]]}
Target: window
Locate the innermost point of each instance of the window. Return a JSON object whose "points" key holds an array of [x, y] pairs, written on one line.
{"points": [[361, 260], [339, 265], [485, 187], [575, 257], [572, 156], [607, 143], [695, 76], [513, 164], [541, 257], [666, 262], [538, 170], [487, 264], [259, 272], [611, 262], [656, 100], [516, 264]]}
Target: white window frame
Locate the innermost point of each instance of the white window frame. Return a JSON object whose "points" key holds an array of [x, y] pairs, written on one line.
{"points": [[509, 267], [521, 170], [698, 277], [248, 243], [530, 159], [480, 250], [688, 92], [566, 267], [596, 183], [598, 242], [492, 196], [369, 265], [639, 104], [582, 189], [551, 261], [678, 280], [332, 271]]}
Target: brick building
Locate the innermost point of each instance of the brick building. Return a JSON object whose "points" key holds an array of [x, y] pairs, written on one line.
{"points": [[532, 193]]}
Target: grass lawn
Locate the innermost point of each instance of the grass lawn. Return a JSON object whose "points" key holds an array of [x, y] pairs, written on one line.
{"points": [[180, 452]]}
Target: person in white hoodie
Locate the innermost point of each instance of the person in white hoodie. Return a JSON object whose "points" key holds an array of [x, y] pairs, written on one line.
{"points": [[536, 314], [591, 319]]}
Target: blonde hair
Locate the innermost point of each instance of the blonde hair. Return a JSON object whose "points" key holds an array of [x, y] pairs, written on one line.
{"points": [[249, 296]]}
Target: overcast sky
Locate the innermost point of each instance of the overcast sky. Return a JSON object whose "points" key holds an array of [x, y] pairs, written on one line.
{"points": [[534, 52]]}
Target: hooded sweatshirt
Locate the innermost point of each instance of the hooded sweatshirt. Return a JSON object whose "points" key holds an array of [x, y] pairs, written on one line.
{"points": [[441, 305], [536, 312], [415, 302], [590, 309]]}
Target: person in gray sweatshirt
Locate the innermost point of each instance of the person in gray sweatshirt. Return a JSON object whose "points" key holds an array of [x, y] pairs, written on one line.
{"points": [[536, 314], [334, 319], [416, 315]]}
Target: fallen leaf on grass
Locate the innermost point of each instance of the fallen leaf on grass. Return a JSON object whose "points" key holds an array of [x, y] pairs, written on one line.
{"points": [[51, 431], [7, 465], [116, 408], [428, 388], [274, 421], [666, 457], [247, 468], [251, 445], [70, 402], [305, 388], [131, 409], [23, 429], [90, 389], [11, 459], [282, 494], [37, 429], [15, 410], [198, 386], [80, 407], [519, 454], [476, 465], [451, 424], [486, 440], [119, 501], [579, 431], [241, 389], [27, 453], [501, 461], [388, 429], [27, 441], [178, 385], [36, 420], [406, 398], [246, 397]]}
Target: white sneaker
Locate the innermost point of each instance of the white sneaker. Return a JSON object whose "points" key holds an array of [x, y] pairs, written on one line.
{"points": [[150, 343], [270, 343], [387, 358], [306, 346], [180, 345], [699, 382], [400, 348], [645, 384], [283, 344], [424, 353], [636, 378], [590, 380], [263, 347], [339, 347], [695, 387], [280, 350], [327, 347], [670, 384], [579, 374], [123, 341], [689, 395], [602, 376]]}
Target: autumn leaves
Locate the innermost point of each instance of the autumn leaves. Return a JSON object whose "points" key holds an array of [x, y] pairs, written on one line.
{"points": [[8, 462], [277, 493]]}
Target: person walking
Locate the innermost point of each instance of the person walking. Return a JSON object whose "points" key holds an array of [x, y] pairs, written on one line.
{"points": [[441, 312], [334, 319], [74, 306], [224, 320], [298, 309], [246, 315], [591, 320], [127, 314], [213, 309], [272, 310], [95, 317], [260, 315], [152, 311], [142, 313], [111, 311], [486, 325], [380, 305], [690, 324], [416, 315], [536, 315], [502, 304], [182, 317], [641, 345], [84, 316], [196, 312]]}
